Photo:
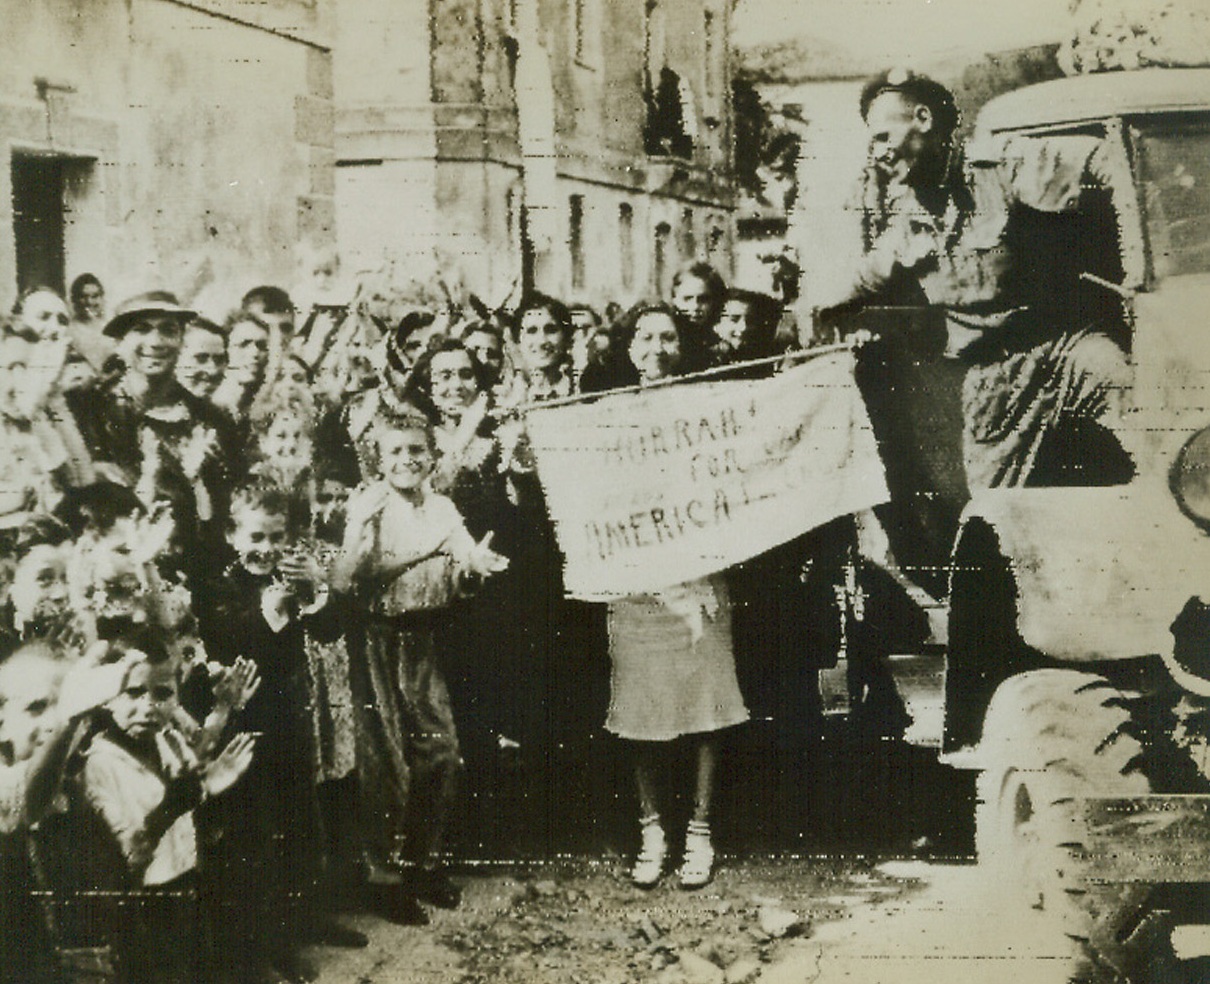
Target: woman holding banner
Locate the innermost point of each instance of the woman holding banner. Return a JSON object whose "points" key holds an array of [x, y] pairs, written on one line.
{"points": [[672, 667]]}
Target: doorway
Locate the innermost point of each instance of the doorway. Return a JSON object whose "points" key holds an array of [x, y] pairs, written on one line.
{"points": [[37, 182]]}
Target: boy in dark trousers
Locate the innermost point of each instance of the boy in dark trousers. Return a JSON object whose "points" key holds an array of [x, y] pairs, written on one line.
{"points": [[269, 596]]}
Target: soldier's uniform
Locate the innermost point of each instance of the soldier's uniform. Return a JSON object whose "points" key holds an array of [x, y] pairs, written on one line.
{"points": [[1006, 246]]}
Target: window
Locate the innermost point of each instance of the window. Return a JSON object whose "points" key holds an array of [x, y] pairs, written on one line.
{"points": [[659, 269], [688, 237], [1176, 192], [38, 220], [715, 243], [669, 117], [585, 32], [575, 240], [654, 39], [711, 56], [626, 243]]}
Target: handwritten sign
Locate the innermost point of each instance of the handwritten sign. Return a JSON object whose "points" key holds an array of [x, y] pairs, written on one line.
{"points": [[653, 488]]}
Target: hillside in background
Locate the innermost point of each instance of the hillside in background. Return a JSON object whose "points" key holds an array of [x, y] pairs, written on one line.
{"points": [[799, 60], [973, 78]]}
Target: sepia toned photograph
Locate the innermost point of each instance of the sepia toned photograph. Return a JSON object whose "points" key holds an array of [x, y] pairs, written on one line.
{"points": [[612, 491]]}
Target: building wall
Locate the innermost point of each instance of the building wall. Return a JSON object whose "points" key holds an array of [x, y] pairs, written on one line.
{"points": [[601, 116], [535, 101], [197, 149], [426, 162]]}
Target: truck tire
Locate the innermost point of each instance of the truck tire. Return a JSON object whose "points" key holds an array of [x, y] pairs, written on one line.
{"points": [[1050, 738]]}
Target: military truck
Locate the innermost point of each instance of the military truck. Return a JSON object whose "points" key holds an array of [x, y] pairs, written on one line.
{"points": [[1077, 676]]}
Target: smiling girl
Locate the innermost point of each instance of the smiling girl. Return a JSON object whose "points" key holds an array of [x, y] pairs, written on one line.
{"points": [[673, 669]]}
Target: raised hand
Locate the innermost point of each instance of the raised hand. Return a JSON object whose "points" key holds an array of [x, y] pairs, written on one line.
{"points": [[468, 426], [232, 762], [367, 503], [69, 636], [484, 561], [88, 685], [194, 451], [300, 566], [237, 685]]}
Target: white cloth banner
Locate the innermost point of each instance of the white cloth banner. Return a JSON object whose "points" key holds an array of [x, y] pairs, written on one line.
{"points": [[653, 488]]}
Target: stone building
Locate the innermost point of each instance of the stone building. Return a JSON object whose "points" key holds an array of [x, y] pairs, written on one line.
{"points": [[158, 143], [598, 131]]}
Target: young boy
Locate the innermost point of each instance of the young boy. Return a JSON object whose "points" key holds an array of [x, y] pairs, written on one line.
{"points": [[272, 306], [36, 732], [269, 597], [203, 358], [39, 593], [141, 777], [409, 553]]}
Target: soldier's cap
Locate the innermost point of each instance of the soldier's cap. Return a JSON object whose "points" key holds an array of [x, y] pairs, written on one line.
{"points": [[157, 302], [916, 87]]}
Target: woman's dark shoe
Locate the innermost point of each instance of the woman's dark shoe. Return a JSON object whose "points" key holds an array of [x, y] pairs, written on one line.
{"points": [[398, 905], [435, 888], [328, 932], [260, 972], [294, 967]]}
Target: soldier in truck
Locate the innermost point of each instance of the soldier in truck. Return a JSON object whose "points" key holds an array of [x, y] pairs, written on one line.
{"points": [[996, 238]]}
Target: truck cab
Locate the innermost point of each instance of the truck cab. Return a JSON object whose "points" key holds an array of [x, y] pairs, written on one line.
{"points": [[1078, 659]]}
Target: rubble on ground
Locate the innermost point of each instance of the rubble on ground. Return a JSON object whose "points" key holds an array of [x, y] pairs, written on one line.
{"points": [[586, 921]]}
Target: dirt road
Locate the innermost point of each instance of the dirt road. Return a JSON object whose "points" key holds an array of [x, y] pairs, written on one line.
{"points": [[584, 921], [824, 920]]}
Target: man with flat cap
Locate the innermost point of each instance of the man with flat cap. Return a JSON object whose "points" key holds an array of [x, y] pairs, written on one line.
{"points": [[995, 242], [147, 432]]}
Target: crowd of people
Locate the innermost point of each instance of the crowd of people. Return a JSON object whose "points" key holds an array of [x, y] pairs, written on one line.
{"points": [[282, 601]]}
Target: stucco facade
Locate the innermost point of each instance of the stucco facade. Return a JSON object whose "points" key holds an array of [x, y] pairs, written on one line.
{"points": [[184, 145], [461, 123]]}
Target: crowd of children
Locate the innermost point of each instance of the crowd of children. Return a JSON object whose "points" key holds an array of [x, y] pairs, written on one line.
{"points": [[271, 582]]}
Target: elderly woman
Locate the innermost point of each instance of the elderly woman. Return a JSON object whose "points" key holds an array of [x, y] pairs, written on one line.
{"points": [[560, 680]]}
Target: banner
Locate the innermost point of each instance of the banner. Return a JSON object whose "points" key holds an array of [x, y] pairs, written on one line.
{"points": [[651, 488]]}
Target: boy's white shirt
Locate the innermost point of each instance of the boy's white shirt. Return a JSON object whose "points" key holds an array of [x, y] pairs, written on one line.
{"points": [[407, 529], [433, 534], [124, 791]]}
